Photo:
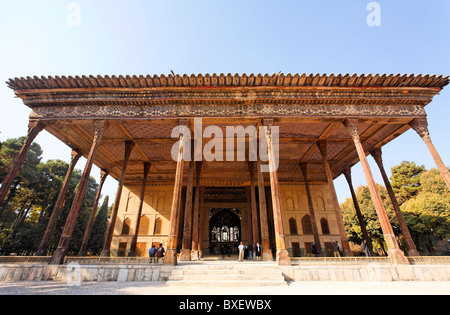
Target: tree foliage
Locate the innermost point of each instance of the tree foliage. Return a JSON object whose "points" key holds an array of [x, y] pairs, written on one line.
{"points": [[32, 197], [425, 204]]}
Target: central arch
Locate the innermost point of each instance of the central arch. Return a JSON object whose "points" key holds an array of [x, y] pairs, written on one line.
{"points": [[224, 229]]}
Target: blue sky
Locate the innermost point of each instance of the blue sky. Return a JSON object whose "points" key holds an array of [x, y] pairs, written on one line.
{"points": [[257, 36]]}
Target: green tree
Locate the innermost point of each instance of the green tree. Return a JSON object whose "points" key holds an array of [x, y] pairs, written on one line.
{"points": [[99, 227], [405, 180]]}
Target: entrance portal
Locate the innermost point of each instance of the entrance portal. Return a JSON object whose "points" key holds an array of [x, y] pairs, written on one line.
{"points": [[224, 229]]}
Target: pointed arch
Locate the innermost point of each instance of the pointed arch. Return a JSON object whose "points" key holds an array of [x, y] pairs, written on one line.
{"points": [[293, 226], [126, 226], [325, 227], [144, 224], [158, 227], [306, 225]]}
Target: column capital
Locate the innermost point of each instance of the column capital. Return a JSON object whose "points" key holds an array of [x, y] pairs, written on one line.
{"points": [[348, 174], [304, 169], [377, 156], [322, 145], [420, 125], [352, 126]]}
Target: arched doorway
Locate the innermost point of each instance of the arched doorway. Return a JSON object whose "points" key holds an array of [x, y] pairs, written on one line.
{"points": [[224, 229]]}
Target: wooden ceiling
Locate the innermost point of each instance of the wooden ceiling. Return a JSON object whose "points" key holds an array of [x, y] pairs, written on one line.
{"points": [[306, 108]]}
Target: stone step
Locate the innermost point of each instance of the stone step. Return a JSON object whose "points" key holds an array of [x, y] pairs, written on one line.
{"points": [[208, 271], [226, 274], [225, 277], [249, 283]]}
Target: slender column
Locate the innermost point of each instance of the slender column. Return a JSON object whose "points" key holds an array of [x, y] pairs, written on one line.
{"points": [[200, 228], [112, 224], [87, 232], [265, 241], [255, 225], [43, 245], [362, 223], [412, 250], [196, 226], [280, 238], [337, 210], [303, 167], [133, 245], [185, 253], [171, 254], [64, 241], [34, 128], [420, 125], [396, 254], [248, 214]]}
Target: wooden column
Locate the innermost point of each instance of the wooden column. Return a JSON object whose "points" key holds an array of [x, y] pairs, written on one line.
{"points": [[265, 241], [248, 216], [34, 128], [43, 245], [87, 232], [132, 252], [200, 228], [396, 254], [304, 169], [255, 225], [112, 223], [337, 210], [196, 226], [282, 256], [185, 253], [412, 250], [420, 125], [362, 223], [64, 241], [172, 239]]}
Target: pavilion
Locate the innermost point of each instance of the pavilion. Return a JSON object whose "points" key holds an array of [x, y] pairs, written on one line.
{"points": [[315, 127]]}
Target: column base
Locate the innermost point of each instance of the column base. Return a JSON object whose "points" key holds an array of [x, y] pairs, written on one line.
{"points": [[195, 255], [267, 255], [348, 253], [413, 252], [171, 257], [58, 257], [283, 258], [105, 253], [185, 254], [398, 257]]}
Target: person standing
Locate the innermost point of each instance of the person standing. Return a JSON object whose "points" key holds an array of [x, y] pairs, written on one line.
{"points": [[334, 246], [152, 253], [258, 251], [241, 249], [365, 248]]}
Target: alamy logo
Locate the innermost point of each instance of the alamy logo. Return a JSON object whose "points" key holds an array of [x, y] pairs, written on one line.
{"points": [[262, 142]]}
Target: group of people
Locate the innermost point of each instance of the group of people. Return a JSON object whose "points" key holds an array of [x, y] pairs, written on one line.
{"points": [[156, 253], [243, 249]]}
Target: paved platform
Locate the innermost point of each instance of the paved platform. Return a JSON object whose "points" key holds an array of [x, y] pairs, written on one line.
{"points": [[294, 288]]}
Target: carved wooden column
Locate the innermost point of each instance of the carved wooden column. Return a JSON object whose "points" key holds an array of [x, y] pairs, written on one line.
{"points": [[412, 250], [255, 225], [64, 241], [265, 240], [200, 228], [303, 167], [34, 128], [133, 244], [172, 239], [420, 125], [87, 232], [112, 223], [337, 210], [248, 216], [280, 238], [362, 223], [185, 253], [396, 254], [43, 245], [197, 240]]}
